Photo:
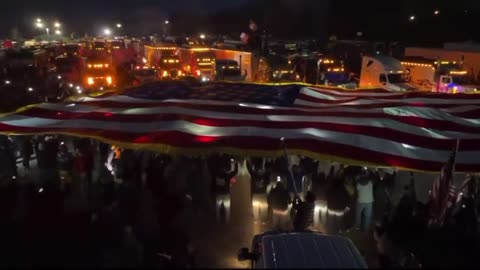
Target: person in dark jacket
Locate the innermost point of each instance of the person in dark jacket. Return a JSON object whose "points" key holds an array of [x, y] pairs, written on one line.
{"points": [[46, 149], [258, 183], [26, 150], [305, 211], [382, 204], [257, 173], [279, 199], [8, 164], [65, 167], [222, 183], [338, 201]]}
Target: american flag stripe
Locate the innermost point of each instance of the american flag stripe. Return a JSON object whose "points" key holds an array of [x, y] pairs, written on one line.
{"points": [[413, 137], [399, 132]]}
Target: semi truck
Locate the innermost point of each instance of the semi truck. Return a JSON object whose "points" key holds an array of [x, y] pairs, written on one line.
{"points": [[99, 74], [437, 75], [198, 62], [154, 53], [170, 67], [70, 68], [247, 63], [385, 72]]}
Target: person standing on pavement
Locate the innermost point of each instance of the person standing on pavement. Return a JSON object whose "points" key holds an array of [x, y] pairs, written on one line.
{"points": [[8, 175], [26, 151], [364, 189], [83, 166], [65, 167], [338, 205], [305, 209], [382, 205], [46, 152], [222, 186], [279, 199]]}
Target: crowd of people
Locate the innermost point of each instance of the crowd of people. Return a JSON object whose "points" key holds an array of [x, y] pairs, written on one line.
{"points": [[110, 229]]}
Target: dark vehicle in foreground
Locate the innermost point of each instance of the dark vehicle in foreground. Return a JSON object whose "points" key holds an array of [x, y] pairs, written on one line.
{"points": [[301, 250]]}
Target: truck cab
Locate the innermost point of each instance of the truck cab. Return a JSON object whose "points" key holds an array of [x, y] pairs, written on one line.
{"points": [[170, 67], [437, 76], [384, 72], [302, 250], [69, 67], [228, 70], [202, 63], [144, 74], [99, 75]]}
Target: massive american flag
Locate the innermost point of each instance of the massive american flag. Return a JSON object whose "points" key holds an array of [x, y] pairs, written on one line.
{"points": [[404, 130]]}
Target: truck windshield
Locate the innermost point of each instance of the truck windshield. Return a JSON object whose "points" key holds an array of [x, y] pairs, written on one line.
{"points": [[397, 78], [145, 72], [64, 69], [459, 79], [99, 72]]}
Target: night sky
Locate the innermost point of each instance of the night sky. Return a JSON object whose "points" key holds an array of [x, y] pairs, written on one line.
{"points": [[377, 19]]}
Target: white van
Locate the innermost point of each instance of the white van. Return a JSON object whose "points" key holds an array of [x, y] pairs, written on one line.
{"points": [[298, 250]]}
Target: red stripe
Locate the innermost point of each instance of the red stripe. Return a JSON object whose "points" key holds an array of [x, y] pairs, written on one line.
{"points": [[251, 143], [284, 111], [367, 130], [378, 104], [385, 133], [378, 93]]}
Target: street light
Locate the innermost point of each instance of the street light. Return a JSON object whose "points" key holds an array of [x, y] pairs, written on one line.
{"points": [[412, 18], [436, 12], [39, 20], [319, 62], [58, 32], [56, 24], [39, 25], [107, 32], [119, 25], [167, 21], [202, 36], [47, 30]]}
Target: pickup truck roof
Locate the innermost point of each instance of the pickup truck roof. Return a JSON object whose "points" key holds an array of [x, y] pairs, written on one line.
{"points": [[308, 250]]}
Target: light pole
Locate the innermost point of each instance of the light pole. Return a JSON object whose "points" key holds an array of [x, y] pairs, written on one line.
{"points": [[47, 30], [319, 62]]}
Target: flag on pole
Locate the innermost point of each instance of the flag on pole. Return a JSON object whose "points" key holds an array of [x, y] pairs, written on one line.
{"points": [[443, 191]]}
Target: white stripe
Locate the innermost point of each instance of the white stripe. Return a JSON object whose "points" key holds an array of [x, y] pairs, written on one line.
{"points": [[380, 102], [378, 99], [354, 121], [348, 93], [362, 141]]}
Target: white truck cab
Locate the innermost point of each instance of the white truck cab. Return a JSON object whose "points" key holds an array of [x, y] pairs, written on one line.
{"points": [[300, 250], [385, 72]]}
